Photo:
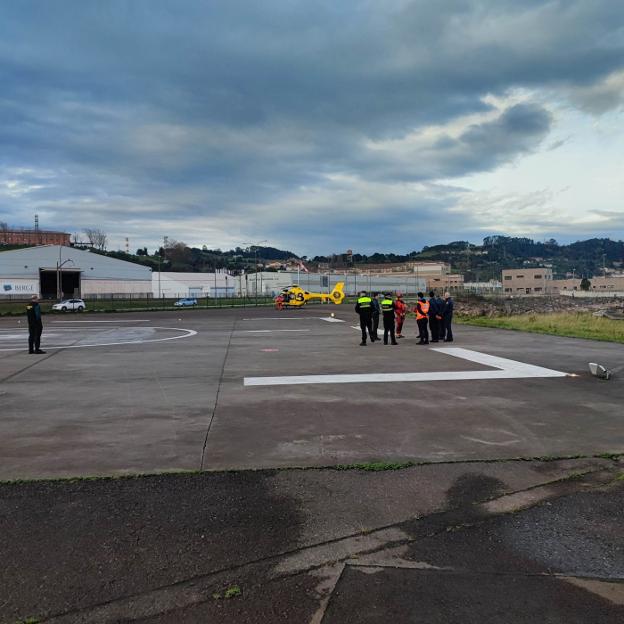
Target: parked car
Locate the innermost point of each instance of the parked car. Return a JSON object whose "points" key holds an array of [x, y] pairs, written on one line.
{"points": [[186, 301], [73, 305]]}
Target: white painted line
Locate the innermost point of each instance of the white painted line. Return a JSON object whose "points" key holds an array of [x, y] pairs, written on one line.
{"points": [[118, 321], [507, 443], [21, 336], [279, 318], [188, 333], [271, 331], [525, 370], [507, 369], [331, 319]]}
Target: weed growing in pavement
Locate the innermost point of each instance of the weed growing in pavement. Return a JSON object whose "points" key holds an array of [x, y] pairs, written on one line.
{"points": [[611, 456], [232, 591], [375, 466]]}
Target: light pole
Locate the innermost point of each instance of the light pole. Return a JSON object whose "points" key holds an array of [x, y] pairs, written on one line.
{"points": [[59, 266], [255, 246], [159, 274]]}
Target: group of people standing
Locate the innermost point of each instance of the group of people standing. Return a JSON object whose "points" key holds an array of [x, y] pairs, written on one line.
{"points": [[433, 315]]}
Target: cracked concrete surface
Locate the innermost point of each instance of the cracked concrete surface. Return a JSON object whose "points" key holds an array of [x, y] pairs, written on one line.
{"points": [[221, 540]]}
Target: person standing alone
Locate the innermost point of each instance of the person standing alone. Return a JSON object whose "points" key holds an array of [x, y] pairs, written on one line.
{"points": [[35, 325], [422, 311], [388, 310], [364, 307]]}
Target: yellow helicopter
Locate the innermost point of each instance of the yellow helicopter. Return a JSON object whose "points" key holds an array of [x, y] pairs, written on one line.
{"points": [[295, 296]]}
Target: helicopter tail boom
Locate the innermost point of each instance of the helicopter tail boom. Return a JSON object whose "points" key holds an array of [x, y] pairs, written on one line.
{"points": [[337, 295]]}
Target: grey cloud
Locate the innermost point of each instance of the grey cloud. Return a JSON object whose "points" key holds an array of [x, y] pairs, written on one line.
{"points": [[202, 109], [481, 147]]}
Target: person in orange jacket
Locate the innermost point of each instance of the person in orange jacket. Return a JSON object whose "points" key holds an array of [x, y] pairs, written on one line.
{"points": [[279, 302], [422, 313], [400, 310]]}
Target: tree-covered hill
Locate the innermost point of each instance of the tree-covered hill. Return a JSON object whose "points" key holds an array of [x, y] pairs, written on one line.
{"points": [[477, 262]]}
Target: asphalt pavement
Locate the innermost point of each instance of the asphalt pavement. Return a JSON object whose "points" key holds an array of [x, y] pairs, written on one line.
{"points": [[130, 393], [478, 542], [226, 445]]}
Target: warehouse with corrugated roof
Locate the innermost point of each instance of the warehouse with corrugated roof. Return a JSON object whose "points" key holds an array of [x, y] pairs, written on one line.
{"points": [[55, 271]]}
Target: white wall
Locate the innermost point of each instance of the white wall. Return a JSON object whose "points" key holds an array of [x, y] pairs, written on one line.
{"points": [[16, 287], [170, 284], [116, 287], [594, 294]]}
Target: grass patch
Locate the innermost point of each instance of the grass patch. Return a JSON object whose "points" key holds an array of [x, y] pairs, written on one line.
{"points": [[232, 592], [375, 466], [571, 324]]}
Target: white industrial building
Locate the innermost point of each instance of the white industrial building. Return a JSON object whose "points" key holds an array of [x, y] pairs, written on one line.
{"points": [[53, 271], [169, 285]]}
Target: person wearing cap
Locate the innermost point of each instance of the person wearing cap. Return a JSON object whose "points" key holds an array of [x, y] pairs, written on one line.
{"points": [[447, 318], [388, 309], [422, 311], [35, 325], [400, 309], [364, 307]]}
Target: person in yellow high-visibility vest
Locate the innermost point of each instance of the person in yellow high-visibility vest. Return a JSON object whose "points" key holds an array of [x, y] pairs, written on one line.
{"points": [[422, 312], [364, 307], [388, 309]]}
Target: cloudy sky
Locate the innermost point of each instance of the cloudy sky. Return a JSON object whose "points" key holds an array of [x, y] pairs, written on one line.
{"points": [[316, 126]]}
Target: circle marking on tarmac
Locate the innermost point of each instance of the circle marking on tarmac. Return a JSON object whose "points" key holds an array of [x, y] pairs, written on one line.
{"points": [[187, 333]]}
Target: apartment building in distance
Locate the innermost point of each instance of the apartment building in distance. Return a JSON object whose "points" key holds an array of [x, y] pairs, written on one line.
{"points": [[598, 283], [522, 282]]}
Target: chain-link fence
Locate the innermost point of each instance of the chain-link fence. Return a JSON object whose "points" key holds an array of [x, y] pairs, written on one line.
{"points": [[16, 305]]}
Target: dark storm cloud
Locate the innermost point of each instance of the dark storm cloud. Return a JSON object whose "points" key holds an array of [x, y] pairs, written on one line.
{"points": [[222, 110]]}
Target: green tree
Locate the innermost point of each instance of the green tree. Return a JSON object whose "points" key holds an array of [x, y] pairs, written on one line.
{"points": [[585, 284]]}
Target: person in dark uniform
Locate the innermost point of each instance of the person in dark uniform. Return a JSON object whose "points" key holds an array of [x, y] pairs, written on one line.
{"points": [[422, 312], [440, 304], [35, 325], [447, 317], [388, 309], [376, 312], [433, 314], [364, 307]]}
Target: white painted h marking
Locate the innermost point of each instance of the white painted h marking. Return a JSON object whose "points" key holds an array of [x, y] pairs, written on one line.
{"points": [[505, 369]]}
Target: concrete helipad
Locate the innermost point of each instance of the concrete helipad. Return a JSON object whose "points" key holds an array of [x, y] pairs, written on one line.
{"points": [[250, 388]]}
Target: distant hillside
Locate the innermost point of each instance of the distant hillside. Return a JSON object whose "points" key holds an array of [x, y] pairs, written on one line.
{"points": [[181, 258], [477, 262], [484, 262]]}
